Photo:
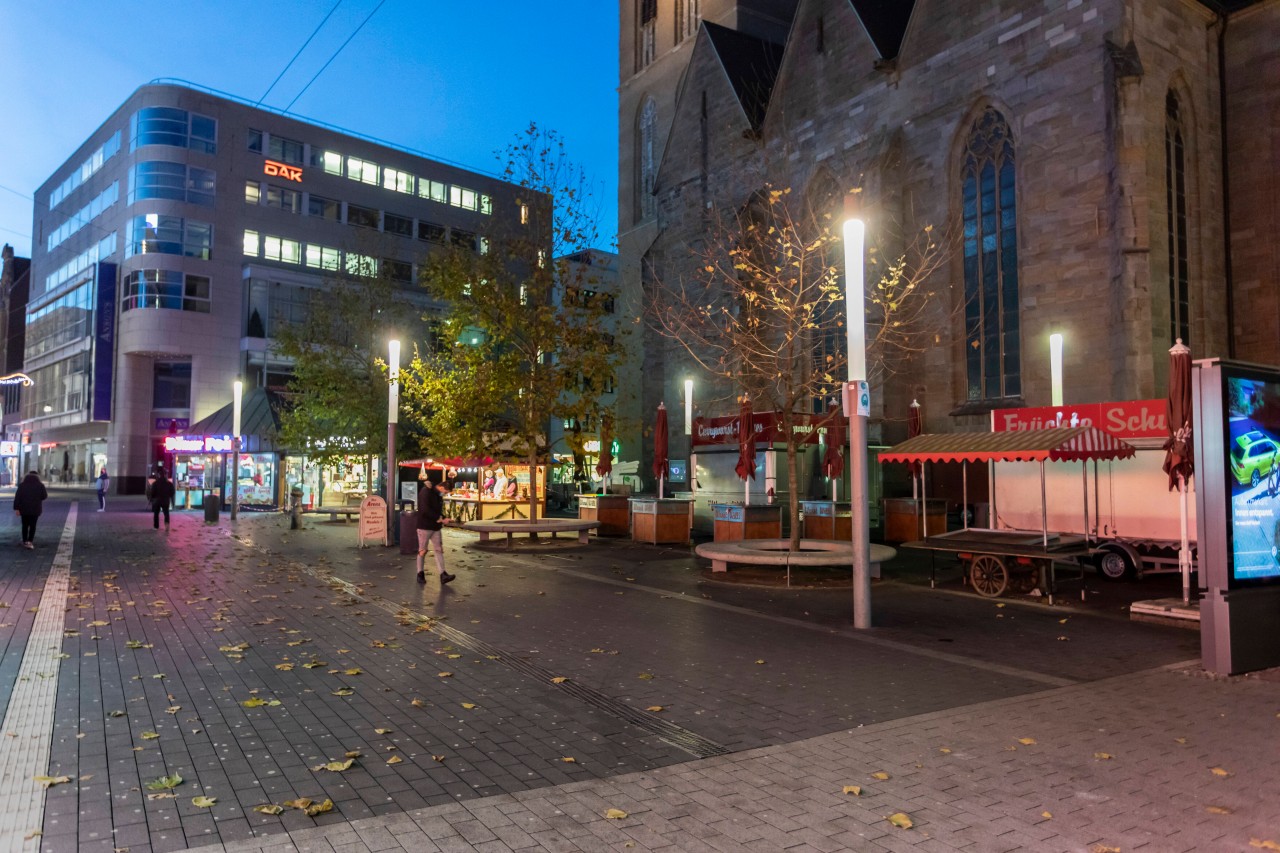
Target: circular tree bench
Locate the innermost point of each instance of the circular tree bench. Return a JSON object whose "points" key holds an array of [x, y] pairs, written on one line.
{"points": [[512, 526], [775, 552]]}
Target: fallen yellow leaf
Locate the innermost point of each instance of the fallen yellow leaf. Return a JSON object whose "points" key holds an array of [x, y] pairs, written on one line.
{"points": [[149, 735], [269, 808], [1263, 845], [1047, 815], [445, 674], [300, 803], [469, 706], [1181, 740], [47, 782], [655, 708], [761, 661], [319, 808], [438, 757], [852, 789], [569, 759], [880, 774], [1103, 756], [336, 766], [616, 814], [1218, 771], [1026, 741], [395, 759], [559, 679], [382, 731], [1217, 810], [944, 750], [900, 820], [203, 802]]}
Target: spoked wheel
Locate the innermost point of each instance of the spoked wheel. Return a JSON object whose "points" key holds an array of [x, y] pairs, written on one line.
{"points": [[988, 575]]}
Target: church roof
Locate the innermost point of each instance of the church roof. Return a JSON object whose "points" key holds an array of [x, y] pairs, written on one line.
{"points": [[751, 65], [885, 22]]}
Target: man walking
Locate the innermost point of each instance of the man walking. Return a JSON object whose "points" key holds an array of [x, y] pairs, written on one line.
{"points": [[430, 520], [28, 502], [161, 497], [103, 483]]}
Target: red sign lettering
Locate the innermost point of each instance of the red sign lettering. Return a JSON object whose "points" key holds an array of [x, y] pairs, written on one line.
{"points": [[282, 170], [1129, 419]]}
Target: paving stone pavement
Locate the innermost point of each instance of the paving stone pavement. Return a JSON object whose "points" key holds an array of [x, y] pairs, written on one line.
{"points": [[171, 634]]}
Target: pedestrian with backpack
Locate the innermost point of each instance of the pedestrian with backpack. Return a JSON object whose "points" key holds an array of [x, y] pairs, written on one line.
{"points": [[161, 497], [28, 502], [103, 483]]}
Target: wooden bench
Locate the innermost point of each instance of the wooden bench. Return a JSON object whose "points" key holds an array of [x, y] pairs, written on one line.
{"points": [[347, 513], [774, 552], [512, 526]]}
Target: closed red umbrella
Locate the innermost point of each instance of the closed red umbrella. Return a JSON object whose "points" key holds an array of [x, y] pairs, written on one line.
{"points": [[1179, 462], [746, 467], [833, 459], [913, 429], [660, 441], [604, 467]]}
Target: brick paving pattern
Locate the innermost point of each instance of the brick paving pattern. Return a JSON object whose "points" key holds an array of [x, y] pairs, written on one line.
{"points": [[171, 634]]}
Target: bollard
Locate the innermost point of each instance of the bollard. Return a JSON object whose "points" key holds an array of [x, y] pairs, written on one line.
{"points": [[295, 508]]}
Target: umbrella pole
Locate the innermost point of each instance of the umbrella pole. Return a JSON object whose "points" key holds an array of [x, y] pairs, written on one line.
{"points": [[1184, 554], [1044, 508], [1084, 473], [923, 516], [964, 488], [660, 482]]}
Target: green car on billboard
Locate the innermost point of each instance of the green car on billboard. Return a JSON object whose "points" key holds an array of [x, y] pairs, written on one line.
{"points": [[1253, 457]]}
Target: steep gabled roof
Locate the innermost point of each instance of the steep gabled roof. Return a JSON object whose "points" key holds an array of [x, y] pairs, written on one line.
{"points": [[885, 22], [751, 65]]}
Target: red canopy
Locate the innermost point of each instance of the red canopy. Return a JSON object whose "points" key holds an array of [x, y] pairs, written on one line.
{"points": [[746, 466], [1062, 444]]}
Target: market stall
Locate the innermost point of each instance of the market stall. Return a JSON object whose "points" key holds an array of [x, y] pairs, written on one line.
{"points": [[992, 557], [483, 488]]}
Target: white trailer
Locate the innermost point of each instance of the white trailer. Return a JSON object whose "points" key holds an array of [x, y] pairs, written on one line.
{"points": [[1133, 518]]}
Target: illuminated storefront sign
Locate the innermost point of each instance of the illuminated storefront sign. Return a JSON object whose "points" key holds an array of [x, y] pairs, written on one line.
{"points": [[16, 379], [197, 444], [1128, 419], [282, 170]]}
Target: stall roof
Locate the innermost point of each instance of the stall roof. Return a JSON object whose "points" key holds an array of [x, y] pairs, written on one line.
{"points": [[1061, 444]]}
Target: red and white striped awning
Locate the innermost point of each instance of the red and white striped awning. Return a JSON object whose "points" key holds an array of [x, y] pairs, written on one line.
{"points": [[1061, 444]]}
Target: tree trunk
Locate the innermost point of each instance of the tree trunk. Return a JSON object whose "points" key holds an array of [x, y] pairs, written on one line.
{"points": [[793, 494], [533, 482]]}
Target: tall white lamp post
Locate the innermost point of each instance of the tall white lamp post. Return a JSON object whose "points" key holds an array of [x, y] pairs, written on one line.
{"points": [[688, 430], [1055, 368], [393, 417], [237, 394], [857, 403]]}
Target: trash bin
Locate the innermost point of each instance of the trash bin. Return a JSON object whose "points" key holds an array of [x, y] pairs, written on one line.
{"points": [[212, 505], [408, 532]]}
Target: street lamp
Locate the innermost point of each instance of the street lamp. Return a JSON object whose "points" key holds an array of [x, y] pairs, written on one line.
{"points": [[688, 407], [1055, 368], [857, 403], [393, 417], [237, 392]]}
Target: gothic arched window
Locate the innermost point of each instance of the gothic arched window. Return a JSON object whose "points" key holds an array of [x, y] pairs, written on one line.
{"points": [[646, 158], [1176, 198], [988, 202]]}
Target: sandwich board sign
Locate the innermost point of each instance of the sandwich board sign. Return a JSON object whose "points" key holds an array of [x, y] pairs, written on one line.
{"points": [[373, 520]]}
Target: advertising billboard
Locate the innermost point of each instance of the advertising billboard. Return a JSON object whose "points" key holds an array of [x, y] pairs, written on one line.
{"points": [[1251, 446]]}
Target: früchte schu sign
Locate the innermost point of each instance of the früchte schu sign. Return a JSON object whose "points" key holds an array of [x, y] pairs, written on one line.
{"points": [[710, 432]]}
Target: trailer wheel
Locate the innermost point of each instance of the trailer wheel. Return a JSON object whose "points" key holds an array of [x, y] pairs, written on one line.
{"points": [[988, 575], [1114, 565]]}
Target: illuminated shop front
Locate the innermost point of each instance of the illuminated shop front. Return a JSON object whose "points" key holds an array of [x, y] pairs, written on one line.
{"points": [[341, 483]]}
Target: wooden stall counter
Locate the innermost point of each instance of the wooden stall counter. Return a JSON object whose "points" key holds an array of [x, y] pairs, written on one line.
{"points": [[612, 511], [827, 520], [661, 522], [734, 522], [484, 509]]}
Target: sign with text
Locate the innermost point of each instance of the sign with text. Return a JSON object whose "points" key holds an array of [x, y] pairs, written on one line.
{"points": [[709, 432], [373, 520], [8, 448], [1130, 419], [197, 444], [175, 424], [282, 170]]}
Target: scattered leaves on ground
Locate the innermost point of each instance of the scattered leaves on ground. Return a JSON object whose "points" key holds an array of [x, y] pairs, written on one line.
{"points": [[269, 808]]}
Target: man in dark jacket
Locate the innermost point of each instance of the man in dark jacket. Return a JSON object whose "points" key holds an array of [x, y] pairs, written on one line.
{"points": [[161, 497], [430, 519], [28, 502]]}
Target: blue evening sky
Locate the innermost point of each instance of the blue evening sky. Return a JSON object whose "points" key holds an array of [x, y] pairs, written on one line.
{"points": [[454, 79]]}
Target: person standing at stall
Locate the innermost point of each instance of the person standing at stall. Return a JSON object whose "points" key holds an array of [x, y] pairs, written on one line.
{"points": [[103, 483], [28, 503], [161, 498], [431, 519]]}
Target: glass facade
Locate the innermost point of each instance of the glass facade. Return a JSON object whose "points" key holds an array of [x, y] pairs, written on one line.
{"points": [[174, 181], [63, 321], [87, 170], [84, 216], [59, 388], [169, 289], [175, 127], [154, 233]]}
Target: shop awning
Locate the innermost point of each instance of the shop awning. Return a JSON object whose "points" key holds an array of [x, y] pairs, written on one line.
{"points": [[259, 416], [1061, 444]]}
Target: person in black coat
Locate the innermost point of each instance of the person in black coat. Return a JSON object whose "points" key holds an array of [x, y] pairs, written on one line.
{"points": [[161, 498], [28, 502], [430, 519]]}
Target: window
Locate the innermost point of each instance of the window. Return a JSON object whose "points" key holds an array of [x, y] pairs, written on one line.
{"points": [[57, 389], [154, 234], [524, 214], [77, 265], [465, 239], [252, 244], [253, 140], [687, 17], [646, 162], [431, 232], [285, 199], [84, 216], [171, 388], [175, 181], [988, 202], [322, 257], [325, 208], [285, 150], [486, 204], [362, 170], [87, 170], [168, 289], [463, 197], [364, 217], [252, 192], [330, 161], [401, 182], [646, 45], [1176, 202], [393, 224], [482, 245], [362, 265], [433, 190], [282, 250], [67, 318], [400, 272], [170, 126]]}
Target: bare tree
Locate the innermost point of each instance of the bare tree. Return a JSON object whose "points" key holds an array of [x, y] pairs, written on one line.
{"points": [[762, 310]]}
